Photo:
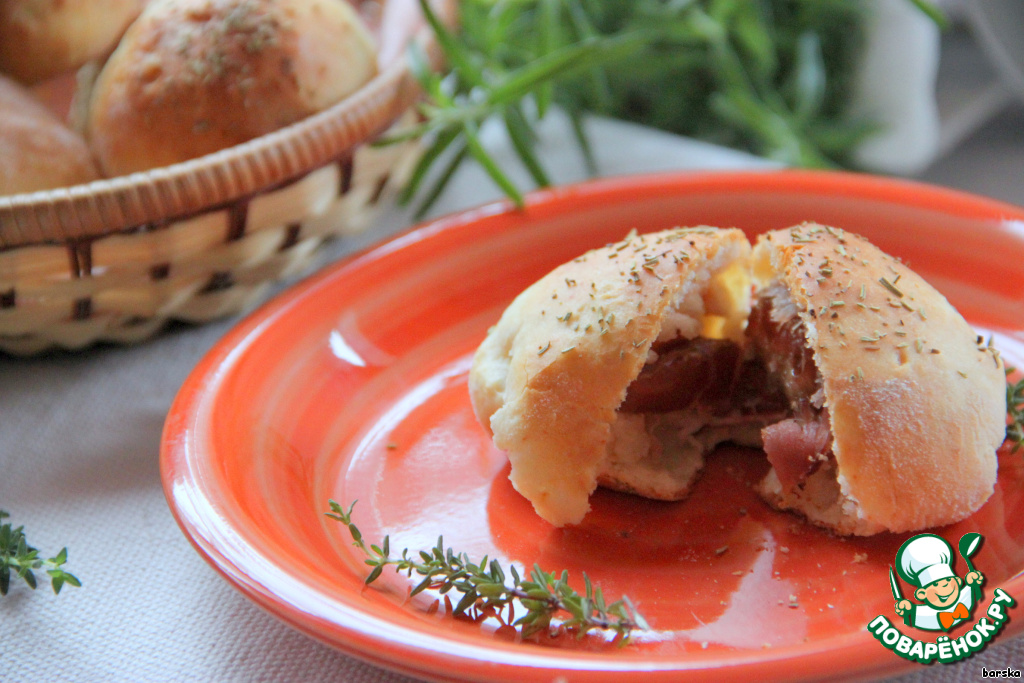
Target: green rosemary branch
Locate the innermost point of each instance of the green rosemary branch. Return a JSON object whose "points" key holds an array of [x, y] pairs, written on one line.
{"points": [[773, 77], [19, 559], [1015, 410], [932, 12], [479, 86], [484, 590]]}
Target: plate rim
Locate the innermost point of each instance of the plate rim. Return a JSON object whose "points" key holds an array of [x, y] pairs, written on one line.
{"points": [[801, 661]]}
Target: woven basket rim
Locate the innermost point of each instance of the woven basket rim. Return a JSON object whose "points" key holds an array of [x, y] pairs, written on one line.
{"points": [[112, 205]]}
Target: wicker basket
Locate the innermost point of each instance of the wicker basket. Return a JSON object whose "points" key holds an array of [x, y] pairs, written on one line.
{"points": [[116, 259]]}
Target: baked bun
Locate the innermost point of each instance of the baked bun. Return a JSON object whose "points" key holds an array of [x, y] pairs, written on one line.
{"points": [[550, 377], [191, 77], [877, 406], [40, 39], [915, 400], [37, 152]]}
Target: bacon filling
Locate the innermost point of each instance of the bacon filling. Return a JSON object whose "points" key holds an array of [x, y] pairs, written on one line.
{"points": [[709, 375], [775, 383], [686, 371], [796, 447]]}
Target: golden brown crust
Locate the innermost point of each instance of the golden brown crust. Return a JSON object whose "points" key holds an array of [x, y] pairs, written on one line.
{"points": [[191, 77], [550, 375], [917, 405], [37, 152], [40, 39]]}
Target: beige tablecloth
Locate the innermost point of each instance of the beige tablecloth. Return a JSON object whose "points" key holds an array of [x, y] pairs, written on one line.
{"points": [[79, 460]]}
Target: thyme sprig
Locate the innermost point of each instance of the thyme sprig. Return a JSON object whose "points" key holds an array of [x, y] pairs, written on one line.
{"points": [[19, 559], [1015, 410], [485, 591]]}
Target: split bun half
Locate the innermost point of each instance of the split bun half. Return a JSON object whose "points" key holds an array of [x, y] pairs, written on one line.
{"points": [[550, 377], [877, 405], [916, 400]]}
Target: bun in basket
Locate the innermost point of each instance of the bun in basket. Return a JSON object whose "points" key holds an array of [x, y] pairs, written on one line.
{"points": [[877, 406], [40, 39], [191, 77], [37, 152]]}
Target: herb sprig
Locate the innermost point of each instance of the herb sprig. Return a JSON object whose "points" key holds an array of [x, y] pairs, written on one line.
{"points": [[484, 590], [484, 84], [20, 560], [773, 77], [1015, 411]]}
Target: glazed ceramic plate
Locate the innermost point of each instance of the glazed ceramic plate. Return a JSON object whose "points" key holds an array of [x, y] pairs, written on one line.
{"points": [[352, 386]]}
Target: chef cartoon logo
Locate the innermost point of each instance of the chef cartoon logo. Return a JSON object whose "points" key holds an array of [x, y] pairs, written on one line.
{"points": [[942, 600], [926, 562]]}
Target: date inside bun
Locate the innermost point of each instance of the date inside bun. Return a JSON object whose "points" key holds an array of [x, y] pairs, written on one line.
{"points": [[874, 401]]}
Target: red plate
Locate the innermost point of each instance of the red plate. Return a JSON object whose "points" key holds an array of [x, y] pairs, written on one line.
{"points": [[353, 386]]}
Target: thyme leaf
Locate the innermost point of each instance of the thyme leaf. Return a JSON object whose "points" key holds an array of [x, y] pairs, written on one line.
{"points": [[1014, 411], [486, 589], [20, 560]]}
